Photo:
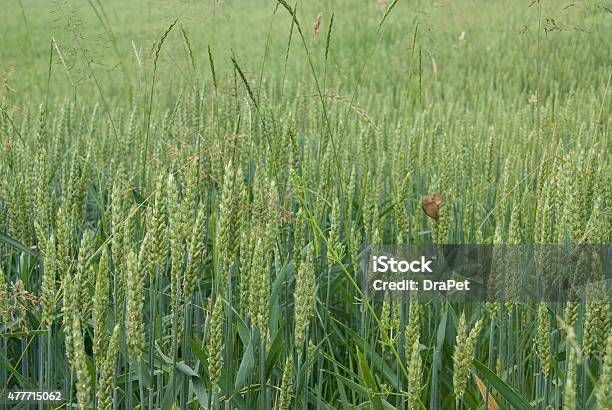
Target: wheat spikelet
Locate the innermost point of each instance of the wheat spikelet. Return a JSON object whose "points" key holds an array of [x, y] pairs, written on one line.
{"points": [[286, 385], [107, 372], [542, 339], [4, 299], [414, 376], [303, 299], [48, 287], [85, 273], [100, 303], [215, 344], [569, 395], [604, 388], [463, 355], [177, 241], [334, 242], [80, 364], [134, 303], [227, 226], [69, 310]]}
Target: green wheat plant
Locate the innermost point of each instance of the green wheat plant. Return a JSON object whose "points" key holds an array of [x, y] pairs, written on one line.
{"points": [[188, 192]]}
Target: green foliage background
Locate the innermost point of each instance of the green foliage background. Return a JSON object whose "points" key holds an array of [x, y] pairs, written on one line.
{"points": [[185, 188]]}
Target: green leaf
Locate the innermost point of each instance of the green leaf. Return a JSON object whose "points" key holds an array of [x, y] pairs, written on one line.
{"points": [[591, 402], [185, 369], [387, 12], [144, 374], [437, 359], [274, 353], [370, 382], [507, 392], [358, 388], [196, 349], [138, 198], [243, 330], [199, 388], [16, 244], [441, 333], [227, 389], [25, 382], [161, 354], [24, 333], [168, 400], [246, 366]]}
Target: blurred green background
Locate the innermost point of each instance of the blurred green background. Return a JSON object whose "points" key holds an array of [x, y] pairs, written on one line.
{"points": [[417, 50]]}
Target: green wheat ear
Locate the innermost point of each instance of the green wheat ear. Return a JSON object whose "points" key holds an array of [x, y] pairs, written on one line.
{"points": [[303, 299], [4, 300], [463, 355], [604, 389], [334, 241], [107, 371], [215, 344], [196, 253], [177, 244], [286, 384], [84, 277], [134, 307], [415, 375], [48, 287], [542, 339], [80, 364], [569, 394], [228, 225], [70, 312], [100, 303], [596, 319]]}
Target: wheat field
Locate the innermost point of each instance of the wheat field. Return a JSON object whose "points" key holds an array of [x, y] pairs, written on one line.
{"points": [[187, 189]]}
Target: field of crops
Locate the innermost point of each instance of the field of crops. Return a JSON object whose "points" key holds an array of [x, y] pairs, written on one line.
{"points": [[187, 189]]}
